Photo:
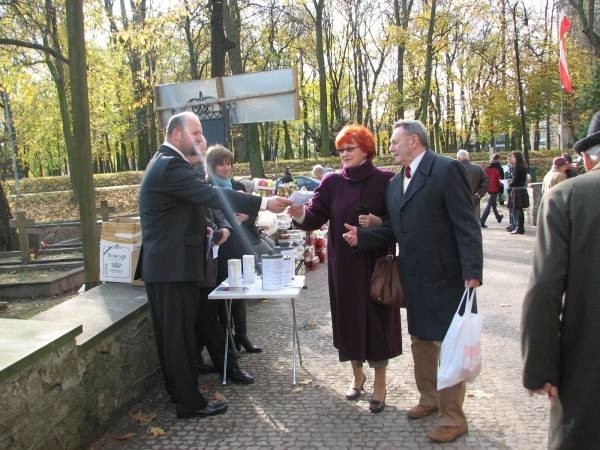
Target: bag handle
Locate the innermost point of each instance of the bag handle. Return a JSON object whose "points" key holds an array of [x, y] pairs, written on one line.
{"points": [[468, 298]]}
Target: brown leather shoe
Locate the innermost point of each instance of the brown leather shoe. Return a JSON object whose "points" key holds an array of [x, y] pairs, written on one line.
{"points": [[420, 411], [447, 434]]}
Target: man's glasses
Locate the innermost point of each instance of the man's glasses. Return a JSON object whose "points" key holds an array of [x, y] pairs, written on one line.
{"points": [[349, 148]]}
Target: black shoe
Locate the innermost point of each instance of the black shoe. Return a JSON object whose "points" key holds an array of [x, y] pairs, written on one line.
{"points": [[376, 406], [483, 225], [510, 228], [517, 231], [237, 375], [243, 341], [213, 408], [500, 218]]}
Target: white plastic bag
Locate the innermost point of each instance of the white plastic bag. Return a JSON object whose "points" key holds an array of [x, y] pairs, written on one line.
{"points": [[460, 355]]}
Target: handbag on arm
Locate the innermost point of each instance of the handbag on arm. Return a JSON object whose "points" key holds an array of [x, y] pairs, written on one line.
{"points": [[386, 286]]}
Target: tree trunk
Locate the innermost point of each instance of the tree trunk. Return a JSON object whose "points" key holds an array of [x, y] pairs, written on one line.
{"points": [[8, 236], [325, 147], [428, 65], [289, 151], [82, 173], [401, 16], [232, 23]]}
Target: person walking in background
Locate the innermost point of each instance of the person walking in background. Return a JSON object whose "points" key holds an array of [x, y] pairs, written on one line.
{"points": [[172, 201], [362, 330], [518, 199], [556, 174], [477, 176], [431, 216], [561, 313], [318, 171], [494, 173]]}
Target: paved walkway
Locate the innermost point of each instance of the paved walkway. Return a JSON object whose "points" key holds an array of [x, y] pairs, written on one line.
{"points": [[271, 413]]}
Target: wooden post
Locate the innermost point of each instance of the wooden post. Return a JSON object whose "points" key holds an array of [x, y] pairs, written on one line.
{"points": [[104, 210], [21, 223]]}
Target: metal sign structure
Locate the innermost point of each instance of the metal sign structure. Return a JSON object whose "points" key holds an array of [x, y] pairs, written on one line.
{"points": [[238, 99]]}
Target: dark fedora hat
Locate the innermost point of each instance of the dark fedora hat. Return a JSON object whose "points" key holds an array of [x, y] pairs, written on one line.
{"points": [[593, 135]]}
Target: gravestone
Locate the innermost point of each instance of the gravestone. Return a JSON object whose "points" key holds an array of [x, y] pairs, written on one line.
{"points": [[104, 210], [21, 223]]}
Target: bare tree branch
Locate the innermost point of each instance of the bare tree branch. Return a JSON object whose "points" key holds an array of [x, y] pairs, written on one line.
{"points": [[34, 46]]}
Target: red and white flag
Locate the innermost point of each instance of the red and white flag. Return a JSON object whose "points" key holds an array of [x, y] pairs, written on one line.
{"points": [[563, 69]]}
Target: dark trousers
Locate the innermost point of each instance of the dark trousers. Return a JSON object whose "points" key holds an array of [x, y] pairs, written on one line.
{"points": [[491, 205], [518, 219], [211, 334], [174, 308]]}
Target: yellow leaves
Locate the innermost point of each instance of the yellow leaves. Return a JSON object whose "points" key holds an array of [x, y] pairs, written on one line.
{"points": [[157, 431], [123, 437], [141, 417]]}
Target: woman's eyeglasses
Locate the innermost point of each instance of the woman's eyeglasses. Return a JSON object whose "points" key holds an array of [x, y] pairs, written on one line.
{"points": [[348, 148]]}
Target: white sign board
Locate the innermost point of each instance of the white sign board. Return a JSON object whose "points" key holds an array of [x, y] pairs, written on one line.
{"points": [[249, 98]]}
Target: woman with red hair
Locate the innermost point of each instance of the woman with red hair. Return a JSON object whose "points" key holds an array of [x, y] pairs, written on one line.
{"points": [[362, 330]]}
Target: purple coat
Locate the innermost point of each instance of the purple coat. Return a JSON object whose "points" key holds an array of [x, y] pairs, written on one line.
{"points": [[362, 330]]}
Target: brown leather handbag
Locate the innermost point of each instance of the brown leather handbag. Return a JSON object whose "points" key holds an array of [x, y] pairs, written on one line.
{"points": [[386, 286]]}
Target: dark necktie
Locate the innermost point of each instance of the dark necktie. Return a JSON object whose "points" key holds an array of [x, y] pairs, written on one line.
{"points": [[407, 173]]}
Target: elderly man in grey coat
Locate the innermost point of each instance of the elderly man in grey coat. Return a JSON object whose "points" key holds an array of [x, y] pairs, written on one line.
{"points": [[560, 324], [477, 176]]}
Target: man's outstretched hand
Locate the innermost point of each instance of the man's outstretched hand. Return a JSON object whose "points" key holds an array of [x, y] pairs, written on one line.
{"points": [[351, 236], [278, 204]]}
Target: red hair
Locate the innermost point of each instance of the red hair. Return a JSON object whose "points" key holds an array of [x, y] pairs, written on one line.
{"points": [[358, 134]]}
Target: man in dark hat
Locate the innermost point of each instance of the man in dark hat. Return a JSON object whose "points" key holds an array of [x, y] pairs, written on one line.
{"points": [[561, 311]]}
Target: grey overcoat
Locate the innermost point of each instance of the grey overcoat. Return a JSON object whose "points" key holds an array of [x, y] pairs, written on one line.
{"points": [[439, 238], [561, 312]]}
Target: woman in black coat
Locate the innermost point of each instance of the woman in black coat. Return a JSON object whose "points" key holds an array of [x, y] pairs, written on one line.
{"points": [[245, 239], [519, 199]]}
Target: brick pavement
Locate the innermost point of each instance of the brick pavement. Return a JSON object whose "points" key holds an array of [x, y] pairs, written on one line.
{"points": [[271, 413]]}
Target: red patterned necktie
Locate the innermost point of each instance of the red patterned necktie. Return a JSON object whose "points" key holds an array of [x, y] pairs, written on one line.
{"points": [[407, 173]]}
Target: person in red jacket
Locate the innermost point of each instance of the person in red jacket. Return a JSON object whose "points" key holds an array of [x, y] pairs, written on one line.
{"points": [[495, 174]]}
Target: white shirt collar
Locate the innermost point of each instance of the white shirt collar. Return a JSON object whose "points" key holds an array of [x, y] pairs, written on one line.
{"points": [[415, 162], [171, 146]]}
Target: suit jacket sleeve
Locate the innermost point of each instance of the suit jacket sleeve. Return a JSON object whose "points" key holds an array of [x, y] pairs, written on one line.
{"points": [[467, 230], [543, 303], [184, 183]]}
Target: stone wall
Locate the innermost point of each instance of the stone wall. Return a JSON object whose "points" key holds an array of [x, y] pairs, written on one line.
{"points": [[41, 405], [62, 391]]}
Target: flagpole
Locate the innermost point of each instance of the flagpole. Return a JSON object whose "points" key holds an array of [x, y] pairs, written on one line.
{"points": [[561, 146]]}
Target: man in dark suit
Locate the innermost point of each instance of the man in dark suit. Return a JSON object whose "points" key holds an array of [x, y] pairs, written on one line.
{"points": [[431, 216], [172, 201]]}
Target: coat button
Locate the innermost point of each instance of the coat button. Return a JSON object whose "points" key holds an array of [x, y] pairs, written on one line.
{"points": [[403, 234]]}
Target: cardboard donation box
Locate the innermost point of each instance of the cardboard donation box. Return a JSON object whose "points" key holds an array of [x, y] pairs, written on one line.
{"points": [[120, 243]]}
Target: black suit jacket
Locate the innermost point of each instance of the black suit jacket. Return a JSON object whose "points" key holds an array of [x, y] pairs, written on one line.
{"points": [[173, 198], [439, 239]]}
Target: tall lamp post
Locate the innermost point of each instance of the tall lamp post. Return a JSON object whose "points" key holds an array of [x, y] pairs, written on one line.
{"points": [[10, 134], [524, 131]]}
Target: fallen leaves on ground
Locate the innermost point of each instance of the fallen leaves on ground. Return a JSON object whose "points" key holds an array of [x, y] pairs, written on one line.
{"points": [[298, 389], [309, 325], [157, 431], [479, 394], [219, 397], [123, 437], [141, 417], [305, 382]]}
